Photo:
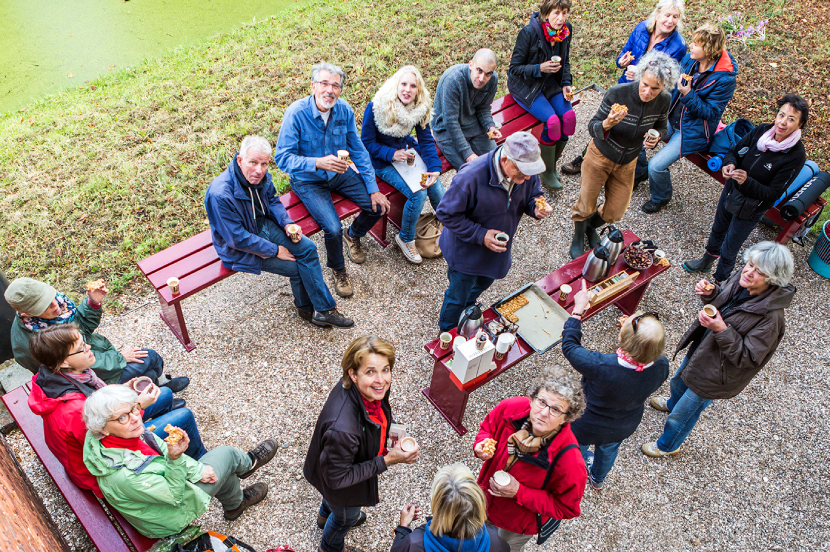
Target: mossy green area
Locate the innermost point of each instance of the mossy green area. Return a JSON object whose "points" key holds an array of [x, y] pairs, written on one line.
{"points": [[97, 177]]}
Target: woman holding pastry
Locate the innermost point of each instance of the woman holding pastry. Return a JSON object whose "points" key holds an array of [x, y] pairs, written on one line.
{"points": [[758, 170], [535, 475], [151, 481], [632, 116], [402, 104], [348, 449], [705, 87], [539, 78]]}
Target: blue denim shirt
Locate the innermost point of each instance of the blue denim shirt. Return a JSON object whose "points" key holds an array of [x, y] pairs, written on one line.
{"points": [[304, 137]]}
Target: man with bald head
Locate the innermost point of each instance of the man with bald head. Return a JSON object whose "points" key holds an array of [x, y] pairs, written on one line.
{"points": [[462, 123]]}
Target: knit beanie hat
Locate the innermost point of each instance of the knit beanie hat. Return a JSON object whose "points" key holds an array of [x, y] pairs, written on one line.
{"points": [[30, 296]]}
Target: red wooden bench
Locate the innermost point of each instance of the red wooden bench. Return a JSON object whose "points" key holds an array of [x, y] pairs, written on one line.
{"points": [[103, 531], [451, 401]]}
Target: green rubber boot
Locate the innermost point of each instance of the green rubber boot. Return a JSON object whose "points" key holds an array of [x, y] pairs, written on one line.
{"points": [[578, 242], [550, 155]]}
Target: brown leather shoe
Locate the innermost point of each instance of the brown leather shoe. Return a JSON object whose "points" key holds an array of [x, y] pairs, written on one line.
{"points": [[342, 285], [574, 167], [250, 496], [261, 455], [354, 249]]}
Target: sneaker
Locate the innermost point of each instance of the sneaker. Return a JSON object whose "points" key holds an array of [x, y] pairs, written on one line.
{"points": [[342, 285], [305, 315], [353, 248], [650, 449], [250, 496], [409, 251], [321, 520], [574, 167], [653, 206], [327, 319], [177, 384], [596, 485], [659, 403], [261, 455]]}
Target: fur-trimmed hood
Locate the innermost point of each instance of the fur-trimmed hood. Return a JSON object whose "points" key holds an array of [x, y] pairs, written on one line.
{"points": [[406, 117]]}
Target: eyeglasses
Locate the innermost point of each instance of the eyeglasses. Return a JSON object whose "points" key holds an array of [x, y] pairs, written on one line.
{"points": [[638, 318], [541, 404], [327, 84], [83, 348], [124, 419]]}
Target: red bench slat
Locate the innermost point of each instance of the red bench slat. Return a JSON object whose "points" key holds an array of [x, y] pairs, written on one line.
{"points": [[197, 281], [175, 252]]}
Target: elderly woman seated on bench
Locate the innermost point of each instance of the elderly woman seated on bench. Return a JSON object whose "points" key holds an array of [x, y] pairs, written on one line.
{"points": [[156, 487]]}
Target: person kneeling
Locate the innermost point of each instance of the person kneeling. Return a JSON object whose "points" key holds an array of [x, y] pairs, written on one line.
{"points": [[155, 486]]}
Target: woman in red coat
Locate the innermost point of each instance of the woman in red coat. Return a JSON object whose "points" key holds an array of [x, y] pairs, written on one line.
{"points": [[533, 436]]}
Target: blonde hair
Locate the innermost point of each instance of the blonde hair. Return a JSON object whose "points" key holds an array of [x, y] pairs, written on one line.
{"points": [[458, 504], [359, 349], [711, 38], [388, 96], [662, 6], [647, 343]]}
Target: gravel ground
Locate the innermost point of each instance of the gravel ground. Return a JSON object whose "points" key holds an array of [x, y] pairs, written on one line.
{"points": [[746, 478]]}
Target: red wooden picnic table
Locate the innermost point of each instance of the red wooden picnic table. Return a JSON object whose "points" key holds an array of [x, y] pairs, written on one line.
{"points": [[451, 401]]}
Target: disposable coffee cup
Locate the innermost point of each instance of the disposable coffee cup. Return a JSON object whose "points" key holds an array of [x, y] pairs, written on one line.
{"points": [[499, 356], [507, 338], [409, 444], [343, 154], [141, 383], [710, 311], [502, 478], [457, 342], [502, 237], [653, 135], [173, 284], [294, 232], [659, 254], [410, 159], [556, 59], [564, 291], [445, 340]]}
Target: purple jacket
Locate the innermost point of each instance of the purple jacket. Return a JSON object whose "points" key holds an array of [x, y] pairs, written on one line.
{"points": [[474, 203]]}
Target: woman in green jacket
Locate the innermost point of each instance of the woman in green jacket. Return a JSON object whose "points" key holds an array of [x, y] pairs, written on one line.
{"points": [[156, 487]]}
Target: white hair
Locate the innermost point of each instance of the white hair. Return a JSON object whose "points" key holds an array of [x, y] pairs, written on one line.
{"points": [[774, 260], [333, 69], [255, 143], [665, 69], [663, 5], [103, 404]]}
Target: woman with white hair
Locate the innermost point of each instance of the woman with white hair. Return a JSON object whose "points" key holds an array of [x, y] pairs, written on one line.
{"points": [[616, 385], [458, 514], [402, 104], [620, 129], [155, 486], [727, 349]]}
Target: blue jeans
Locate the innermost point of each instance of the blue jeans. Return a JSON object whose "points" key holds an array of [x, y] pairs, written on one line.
{"points": [[600, 462], [181, 418], [414, 200], [685, 407], [727, 236], [152, 367], [316, 196], [339, 521], [463, 291], [305, 274], [480, 144], [659, 178]]}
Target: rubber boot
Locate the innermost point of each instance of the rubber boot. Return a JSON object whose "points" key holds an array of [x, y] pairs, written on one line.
{"points": [[591, 230], [701, 265], [577, 245], [550, 155]]}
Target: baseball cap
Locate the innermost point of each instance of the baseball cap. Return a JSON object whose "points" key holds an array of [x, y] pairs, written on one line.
{"points": [[523, 149]]}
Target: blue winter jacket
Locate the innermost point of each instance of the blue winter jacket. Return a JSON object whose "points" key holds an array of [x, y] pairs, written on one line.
{"points": [[703, 106], [382, 147], [673, 46], [474, 203], [233, 220]]}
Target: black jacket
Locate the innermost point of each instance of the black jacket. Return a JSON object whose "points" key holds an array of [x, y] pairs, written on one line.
{"points": [[524, 78], [769, 173], [342, 461]]}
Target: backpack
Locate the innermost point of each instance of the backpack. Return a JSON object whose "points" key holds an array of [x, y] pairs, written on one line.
{"points": [[729, 136], [212, 541]]}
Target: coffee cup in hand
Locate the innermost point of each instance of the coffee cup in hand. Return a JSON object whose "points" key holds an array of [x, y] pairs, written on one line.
{"points": [[502, 238], [710, 311]]}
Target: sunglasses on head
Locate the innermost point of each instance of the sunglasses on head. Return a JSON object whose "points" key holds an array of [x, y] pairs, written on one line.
{"points": [[638, 318]]}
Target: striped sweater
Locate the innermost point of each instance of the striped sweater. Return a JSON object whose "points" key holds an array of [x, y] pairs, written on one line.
{"points": [[624, 141]]}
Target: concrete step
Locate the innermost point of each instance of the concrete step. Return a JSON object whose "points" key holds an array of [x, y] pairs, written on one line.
{"points": [[13, 377]]}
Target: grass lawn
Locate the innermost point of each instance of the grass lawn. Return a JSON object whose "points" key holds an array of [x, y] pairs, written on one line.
{"points": [[108, 173]]}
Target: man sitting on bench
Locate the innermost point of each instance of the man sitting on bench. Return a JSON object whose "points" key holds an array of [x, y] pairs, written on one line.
{"points": [[462, 123], [313, 133], [250, 226]]}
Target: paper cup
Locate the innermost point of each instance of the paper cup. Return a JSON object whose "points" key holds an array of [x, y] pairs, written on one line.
{"points": [[659, 254], [408, 444], [556, 59], [653, 135], [343, 154], [710, 311], [502, 237], [564, 291], [499, 356], [293, 231], [502, 478], [457, 342], [173, 284], [445, 340], [141, 383], [505, 342]]}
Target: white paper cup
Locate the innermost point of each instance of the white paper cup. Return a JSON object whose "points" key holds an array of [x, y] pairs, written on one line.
{"points": [[293, 231], [502, 237], [556, 59], [343, 154], [457, 342], [505, 342], [564, 291], [659, 254], [408, 444], [710, 311], [445, 340], [173, 284], [653, 135], [502, 478]]}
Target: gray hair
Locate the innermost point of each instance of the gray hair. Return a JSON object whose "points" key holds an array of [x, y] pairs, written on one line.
{"points": [[485, 55], [103, 404], [663, 5], [255, 143], [774, 260], [565, 383], [333, 69], [662, 66]]}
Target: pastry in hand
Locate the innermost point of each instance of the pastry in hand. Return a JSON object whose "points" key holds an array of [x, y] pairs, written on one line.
{"points": [[489, 446], [541, 203], [424, 178], [174, 435], [568, 96], [96, 285], [491, 134], [619, 108]]}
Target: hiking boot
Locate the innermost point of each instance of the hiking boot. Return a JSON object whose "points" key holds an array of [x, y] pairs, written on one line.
{"points": [[342, 285], [409, 251], [250, 496], [329, 318], [574, 167], [261, 455], [650, 449], [701, 265], [596, 485], [577, 244], [177, 384], [305, 315], [321, 520], [652, 206], [591, 229], [353, 248], [659, 403]]}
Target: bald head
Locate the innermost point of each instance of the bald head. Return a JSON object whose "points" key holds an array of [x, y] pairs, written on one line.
{"points": [[482, 67]]}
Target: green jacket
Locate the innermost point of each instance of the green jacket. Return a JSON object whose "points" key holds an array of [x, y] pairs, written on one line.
{"points": [[155, 494], [108, 361]]}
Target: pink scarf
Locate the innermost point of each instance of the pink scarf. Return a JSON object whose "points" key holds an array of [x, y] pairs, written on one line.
{"points": [[767, 140], [637, 366], [87, 377]]}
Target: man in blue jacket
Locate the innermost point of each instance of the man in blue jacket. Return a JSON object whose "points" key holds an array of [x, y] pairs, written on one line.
{"points": [[249, 224], [313, 130], [487, 197]]}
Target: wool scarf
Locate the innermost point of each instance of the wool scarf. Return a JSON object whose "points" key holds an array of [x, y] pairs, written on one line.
{"points": [[525, 443], [377, 415], [87, 377], [767, 141], [628, 362], [68, 310], [555, 35], [403, 117]]}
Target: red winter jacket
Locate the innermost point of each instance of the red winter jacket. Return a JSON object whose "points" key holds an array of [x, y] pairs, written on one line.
{"points": [[60, 402], [563, 494]]}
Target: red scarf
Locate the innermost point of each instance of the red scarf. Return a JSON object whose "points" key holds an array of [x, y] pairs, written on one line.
{"points": [[555, 35], [377, 415], [137, 444], [638, 366]]}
